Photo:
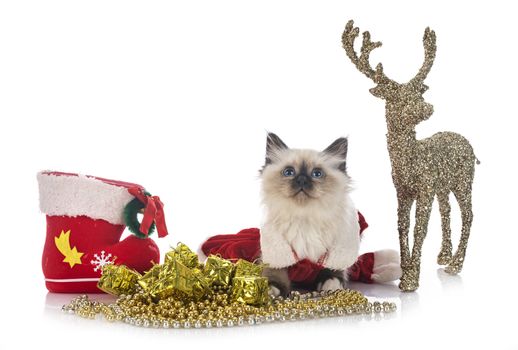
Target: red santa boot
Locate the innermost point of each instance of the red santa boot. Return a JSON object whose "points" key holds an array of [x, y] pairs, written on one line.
{"points": [[86, 217]]}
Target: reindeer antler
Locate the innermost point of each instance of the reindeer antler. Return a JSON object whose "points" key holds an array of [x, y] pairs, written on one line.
{"points": [[362, 63], [430, 48]]}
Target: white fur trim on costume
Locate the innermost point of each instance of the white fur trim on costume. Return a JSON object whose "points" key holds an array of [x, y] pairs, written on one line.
{"points": [[386, 266], [71, 195]]}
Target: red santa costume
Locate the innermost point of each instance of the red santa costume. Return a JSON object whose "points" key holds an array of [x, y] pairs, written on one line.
{"points": [[380, 266]]}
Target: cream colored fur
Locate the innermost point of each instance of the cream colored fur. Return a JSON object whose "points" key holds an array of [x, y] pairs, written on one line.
{"points": [[325, 222]]}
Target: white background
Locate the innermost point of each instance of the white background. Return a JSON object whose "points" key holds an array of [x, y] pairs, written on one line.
{"points": [[178, 96]]}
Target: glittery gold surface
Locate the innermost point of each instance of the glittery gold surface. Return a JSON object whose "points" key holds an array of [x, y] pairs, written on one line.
{"points": [[218, 271], [173, 295], [421, 169], [173, 277], [183, 277], [245, 268], [183, 254], [118, 279], [150, 277], [250, 290]]}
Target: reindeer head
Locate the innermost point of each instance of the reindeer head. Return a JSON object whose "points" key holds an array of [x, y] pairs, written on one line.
{"points": [[404, 102]]}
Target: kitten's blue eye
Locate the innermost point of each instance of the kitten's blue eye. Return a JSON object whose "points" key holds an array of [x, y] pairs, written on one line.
{"points": [[288, 172], [317, 173]]}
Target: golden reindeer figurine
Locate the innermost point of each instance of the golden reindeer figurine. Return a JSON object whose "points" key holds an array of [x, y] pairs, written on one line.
{"points": [[421, 169]]}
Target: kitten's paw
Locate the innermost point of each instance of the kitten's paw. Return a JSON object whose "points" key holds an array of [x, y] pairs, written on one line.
{"points": [[274, 291], [330, 284]]}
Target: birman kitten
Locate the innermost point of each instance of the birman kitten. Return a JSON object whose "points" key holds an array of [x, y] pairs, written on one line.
{"points": [[308, 214]]}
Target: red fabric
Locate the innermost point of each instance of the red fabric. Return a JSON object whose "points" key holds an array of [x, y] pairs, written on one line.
{"points": [[362, 222], [304, 271], [246, 245], [243, 245], [154, 211], [361, 271], [91, 237]]}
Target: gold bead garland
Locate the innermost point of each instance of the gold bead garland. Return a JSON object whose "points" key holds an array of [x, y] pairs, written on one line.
{"points": [[216, 311]]}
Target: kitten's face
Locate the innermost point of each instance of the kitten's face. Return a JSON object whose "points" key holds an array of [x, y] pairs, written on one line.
{"points": [[300, 176]]}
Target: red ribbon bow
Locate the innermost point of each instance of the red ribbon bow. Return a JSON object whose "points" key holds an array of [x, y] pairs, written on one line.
{"points": [[153, 211]]}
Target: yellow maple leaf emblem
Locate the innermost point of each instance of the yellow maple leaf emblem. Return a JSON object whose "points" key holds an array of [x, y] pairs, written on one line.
{"points": [[72, 256]]}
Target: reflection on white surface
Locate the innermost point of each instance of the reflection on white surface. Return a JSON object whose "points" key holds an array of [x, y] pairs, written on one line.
{"points": [[54, 301], [449, 281], [405, 301]]}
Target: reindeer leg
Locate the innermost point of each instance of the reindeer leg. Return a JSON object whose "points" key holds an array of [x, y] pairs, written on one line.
{"points": [[464, 200], [403, 212], [445, 255], [422, 213]]}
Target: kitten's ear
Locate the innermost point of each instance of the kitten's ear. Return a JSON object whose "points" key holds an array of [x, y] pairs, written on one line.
{"points": [[273, 144], [338, 149]]}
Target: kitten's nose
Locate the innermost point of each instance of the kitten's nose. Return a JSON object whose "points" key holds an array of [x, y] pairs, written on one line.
{"points": [[303, 181]]}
